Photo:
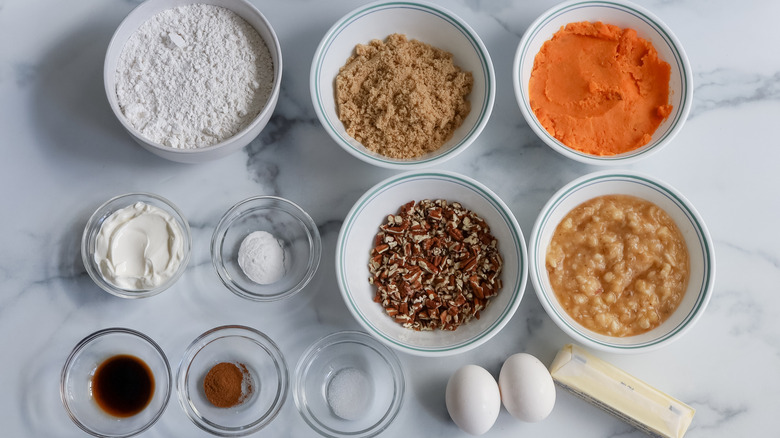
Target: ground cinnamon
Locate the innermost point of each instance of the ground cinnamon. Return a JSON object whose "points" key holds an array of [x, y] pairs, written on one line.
{"points": [[227, 384]]}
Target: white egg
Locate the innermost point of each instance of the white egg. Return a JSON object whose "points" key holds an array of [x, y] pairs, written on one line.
{"points": [[527, 389], [473, 399]]}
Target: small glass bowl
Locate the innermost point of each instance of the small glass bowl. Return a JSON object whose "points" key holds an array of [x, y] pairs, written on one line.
{"points": [[80, 367], [239, 345], [286, 221], [95, 222], [371, 395]]}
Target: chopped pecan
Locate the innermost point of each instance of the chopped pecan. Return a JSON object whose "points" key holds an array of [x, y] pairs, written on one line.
{"points": [[434, 265]]}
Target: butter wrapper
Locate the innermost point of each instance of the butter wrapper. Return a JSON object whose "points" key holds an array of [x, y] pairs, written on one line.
{"points": [[621, 394]]}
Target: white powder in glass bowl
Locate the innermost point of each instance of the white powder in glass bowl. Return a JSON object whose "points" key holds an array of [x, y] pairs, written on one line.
{"points": [[349, 394], [193, 76], [261, 257]]}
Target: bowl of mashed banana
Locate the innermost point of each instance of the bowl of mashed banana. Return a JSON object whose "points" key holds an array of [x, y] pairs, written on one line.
{"points": [[621, 261]]}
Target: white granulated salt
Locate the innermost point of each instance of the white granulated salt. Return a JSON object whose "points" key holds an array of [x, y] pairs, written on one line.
{"points": [[261, 257], [349, 393], [193, 76]]}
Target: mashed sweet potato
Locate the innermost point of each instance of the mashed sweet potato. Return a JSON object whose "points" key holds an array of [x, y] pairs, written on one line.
{"points": [[600, 89]]}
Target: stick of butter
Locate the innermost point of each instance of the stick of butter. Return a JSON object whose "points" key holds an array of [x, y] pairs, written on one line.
{"points": [[620, 394]]}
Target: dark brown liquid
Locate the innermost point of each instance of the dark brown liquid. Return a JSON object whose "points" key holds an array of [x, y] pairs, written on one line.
{"points": [[123, 385]]}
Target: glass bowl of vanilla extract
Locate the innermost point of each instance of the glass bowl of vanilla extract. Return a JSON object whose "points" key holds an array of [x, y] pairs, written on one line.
{"points": [[116, 383]]}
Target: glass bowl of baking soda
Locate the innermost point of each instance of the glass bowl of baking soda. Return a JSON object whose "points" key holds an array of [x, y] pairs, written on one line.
{"points": [[348, 384], [266, 248]]}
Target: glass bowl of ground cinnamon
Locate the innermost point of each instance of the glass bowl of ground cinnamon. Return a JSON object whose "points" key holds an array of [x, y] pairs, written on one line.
{"points": [[602, 83], [402, 85], [232, 381]]}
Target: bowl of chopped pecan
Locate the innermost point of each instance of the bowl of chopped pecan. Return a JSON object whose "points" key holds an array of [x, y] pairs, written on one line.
{"points": [[432, 263]]}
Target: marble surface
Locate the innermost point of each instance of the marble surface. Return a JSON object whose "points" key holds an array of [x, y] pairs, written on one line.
{"points": [[64, 153]]}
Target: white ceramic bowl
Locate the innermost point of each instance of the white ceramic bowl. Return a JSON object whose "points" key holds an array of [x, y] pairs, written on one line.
{"points": [[425, 22], [623, 14], [697, 238], [144, 12], [355, 242]]}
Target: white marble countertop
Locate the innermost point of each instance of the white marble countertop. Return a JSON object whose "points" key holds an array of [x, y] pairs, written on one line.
{"points": [[64, 153]]}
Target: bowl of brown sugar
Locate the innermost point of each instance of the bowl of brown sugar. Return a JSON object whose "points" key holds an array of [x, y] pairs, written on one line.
{"points": [[232, 381], [402, 85], [621, 262]]}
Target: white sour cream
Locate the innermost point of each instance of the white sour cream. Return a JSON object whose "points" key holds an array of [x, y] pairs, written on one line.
{"points": [[139, 247]]}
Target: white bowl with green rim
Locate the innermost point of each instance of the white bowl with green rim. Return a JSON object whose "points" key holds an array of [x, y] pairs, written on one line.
{"points": [[356, 240], [624, 15], [688, 220], [425, 22]]}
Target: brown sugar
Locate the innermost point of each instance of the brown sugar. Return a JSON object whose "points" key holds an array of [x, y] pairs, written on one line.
{"points": [[402, 98]]}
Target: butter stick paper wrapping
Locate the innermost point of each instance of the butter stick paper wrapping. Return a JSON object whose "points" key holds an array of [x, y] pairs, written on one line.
{"points": [[620, 394]]}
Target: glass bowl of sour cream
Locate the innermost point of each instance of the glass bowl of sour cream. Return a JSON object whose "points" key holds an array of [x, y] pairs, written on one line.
{"points": [[136, 245]]}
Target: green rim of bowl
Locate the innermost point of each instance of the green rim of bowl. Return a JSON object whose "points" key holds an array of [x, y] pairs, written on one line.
{"points": [[693, 217], [509, 220], [487, 71], [680, 59]]}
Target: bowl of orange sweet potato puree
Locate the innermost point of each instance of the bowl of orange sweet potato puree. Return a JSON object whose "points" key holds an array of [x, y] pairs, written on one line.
{"points": [[604, 83]]}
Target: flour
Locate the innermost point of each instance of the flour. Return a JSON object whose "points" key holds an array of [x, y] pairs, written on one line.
{"points": [[193, 76]]}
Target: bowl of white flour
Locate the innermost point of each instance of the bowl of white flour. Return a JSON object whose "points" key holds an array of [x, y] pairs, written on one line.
{"points": [[193, 81]]}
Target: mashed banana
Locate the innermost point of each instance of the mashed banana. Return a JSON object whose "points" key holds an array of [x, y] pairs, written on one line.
{"points": [[618, 265]]}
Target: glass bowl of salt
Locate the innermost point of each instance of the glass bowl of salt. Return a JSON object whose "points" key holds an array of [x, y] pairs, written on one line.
{"points": [[266, 248], [348, 384]]}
